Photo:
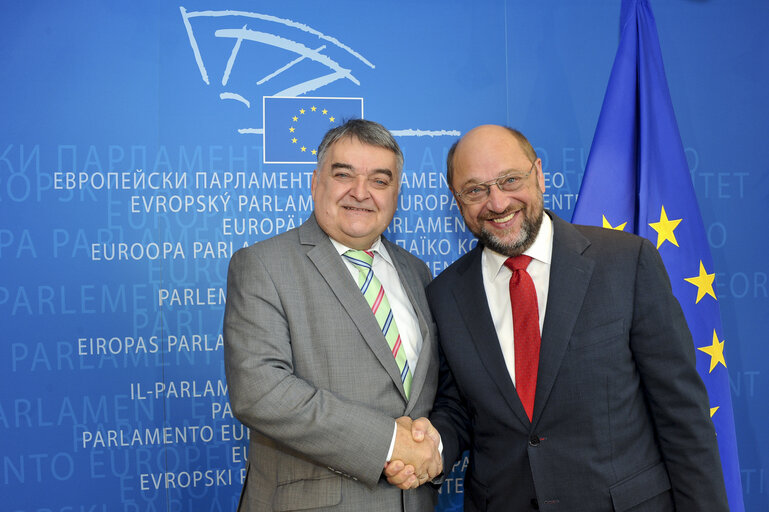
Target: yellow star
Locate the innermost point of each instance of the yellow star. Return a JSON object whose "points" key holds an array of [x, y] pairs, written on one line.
{"points": [[314, 151], [313, 108], [606, 224], [703, 282], [293, 141], [324, 111], [665, 229], [304, 149], [715, 351], [331, 119], [301, 111], [291, 129], [295, 118], [713, 410]]}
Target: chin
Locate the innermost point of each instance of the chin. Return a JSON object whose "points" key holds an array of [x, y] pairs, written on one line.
{"points": [[512, 246]]}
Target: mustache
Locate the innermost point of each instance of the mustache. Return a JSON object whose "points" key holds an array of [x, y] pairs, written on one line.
{"points": [[496, 215]]}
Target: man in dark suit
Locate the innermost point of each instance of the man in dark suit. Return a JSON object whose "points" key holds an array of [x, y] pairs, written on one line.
{"points": [[577, 391], [318, 378]]}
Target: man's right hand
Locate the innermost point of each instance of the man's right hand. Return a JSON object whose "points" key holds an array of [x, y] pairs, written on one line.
{"points": [[414, 461]]}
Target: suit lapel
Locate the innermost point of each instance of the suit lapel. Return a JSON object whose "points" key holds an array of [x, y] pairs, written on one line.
{"points": [[412, 285], [471, 301], [333, 270], [570, 274]]}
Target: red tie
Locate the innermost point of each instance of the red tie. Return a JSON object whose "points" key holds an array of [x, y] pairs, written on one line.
{"points": [[523, 298]]}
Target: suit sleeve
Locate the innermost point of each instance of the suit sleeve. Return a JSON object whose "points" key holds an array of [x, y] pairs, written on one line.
{"points": [[266, 395], [449, 414], [664, 353]]}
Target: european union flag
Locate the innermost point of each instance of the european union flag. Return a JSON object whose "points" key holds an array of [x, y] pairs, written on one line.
{"points": [[637, 179], [294, 127]]}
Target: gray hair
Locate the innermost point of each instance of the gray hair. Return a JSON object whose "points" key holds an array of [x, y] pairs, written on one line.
{"points": [[367, 132]]}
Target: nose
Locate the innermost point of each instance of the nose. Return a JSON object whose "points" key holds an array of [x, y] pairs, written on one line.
{"points": [[497, 200], [359, 189]]}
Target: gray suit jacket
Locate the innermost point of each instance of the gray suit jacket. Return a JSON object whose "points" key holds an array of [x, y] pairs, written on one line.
{"points": [[311, 375], [621, 417]]}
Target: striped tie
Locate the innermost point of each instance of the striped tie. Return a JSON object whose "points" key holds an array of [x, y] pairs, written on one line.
{"points": [[375, 296]]}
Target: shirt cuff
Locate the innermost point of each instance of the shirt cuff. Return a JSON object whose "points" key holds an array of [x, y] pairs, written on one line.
{"points": [[392, 443]]}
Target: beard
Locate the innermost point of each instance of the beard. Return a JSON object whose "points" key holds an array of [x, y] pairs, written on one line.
{"points": [[532, 221]]}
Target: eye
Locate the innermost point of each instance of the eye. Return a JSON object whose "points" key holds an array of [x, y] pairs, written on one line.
{"points": [[475, 191], [342, 175], [511, 180], [380, 180]]}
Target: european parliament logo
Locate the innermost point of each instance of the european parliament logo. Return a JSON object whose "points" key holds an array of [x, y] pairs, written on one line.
{"points": [[261, 55], [294, 127]]}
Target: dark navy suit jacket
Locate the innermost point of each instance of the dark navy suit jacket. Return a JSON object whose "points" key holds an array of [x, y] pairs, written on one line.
{"points": [[621, 417]]}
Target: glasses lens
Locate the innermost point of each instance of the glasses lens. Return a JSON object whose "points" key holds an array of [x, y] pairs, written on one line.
{"points": [[474, 194], [511, 182], [508, 183]]}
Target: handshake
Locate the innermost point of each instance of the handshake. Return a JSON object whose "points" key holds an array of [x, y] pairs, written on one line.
{"points": [[415, 458]]}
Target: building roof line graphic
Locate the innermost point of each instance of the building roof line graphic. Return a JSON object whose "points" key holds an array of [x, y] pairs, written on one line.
{"points": [[187, 15], [338, 72], [235, 96], [287, 66]]}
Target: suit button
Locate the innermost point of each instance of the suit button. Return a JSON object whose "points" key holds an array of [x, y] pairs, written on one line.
{"points": [[534, 504], [534, 440]]}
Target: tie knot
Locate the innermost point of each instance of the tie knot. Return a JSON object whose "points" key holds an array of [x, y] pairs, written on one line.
{"points": [[360, 258], [519, 262]]}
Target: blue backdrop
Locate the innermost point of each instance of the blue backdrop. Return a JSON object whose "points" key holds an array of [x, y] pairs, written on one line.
{"points": [[133, 163]]}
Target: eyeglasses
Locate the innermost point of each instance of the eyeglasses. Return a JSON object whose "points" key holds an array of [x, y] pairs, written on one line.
{"points": [[478, 192]]}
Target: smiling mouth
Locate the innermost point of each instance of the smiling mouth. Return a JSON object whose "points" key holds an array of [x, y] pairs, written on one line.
{"points": [[354, 209], [502, 220]]}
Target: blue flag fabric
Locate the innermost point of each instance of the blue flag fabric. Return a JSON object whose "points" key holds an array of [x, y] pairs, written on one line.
{"points": [[294, 126], [637, 179]]}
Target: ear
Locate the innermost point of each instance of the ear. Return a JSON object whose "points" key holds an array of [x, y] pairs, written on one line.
{"points": [[314, 183], [540, 175], [460, 205]]}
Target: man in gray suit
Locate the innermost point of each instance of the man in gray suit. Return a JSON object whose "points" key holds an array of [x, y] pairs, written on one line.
{"points": [[584, 396], [325, 387]]}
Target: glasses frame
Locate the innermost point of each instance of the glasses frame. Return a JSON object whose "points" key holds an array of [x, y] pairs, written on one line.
{"points": [[486, 185]]}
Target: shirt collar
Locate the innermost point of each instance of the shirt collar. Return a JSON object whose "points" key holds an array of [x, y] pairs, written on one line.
{"points": [[541, 250], [377, 247]]}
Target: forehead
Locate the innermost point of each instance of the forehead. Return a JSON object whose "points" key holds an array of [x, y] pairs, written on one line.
{"points": [[488, 154]]}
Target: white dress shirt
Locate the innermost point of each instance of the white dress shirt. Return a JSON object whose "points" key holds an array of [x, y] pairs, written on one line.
{"points": [[403, 312], [496, 283], [405, 317]]}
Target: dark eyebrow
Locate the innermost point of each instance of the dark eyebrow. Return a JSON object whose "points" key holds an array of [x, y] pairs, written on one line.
{"points": [[342, 165], [387, 172]]}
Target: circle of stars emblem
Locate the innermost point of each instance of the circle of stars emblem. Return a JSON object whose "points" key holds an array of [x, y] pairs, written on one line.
{"points": [[296, 121]]}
